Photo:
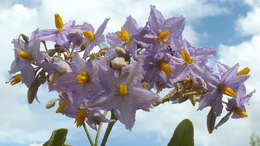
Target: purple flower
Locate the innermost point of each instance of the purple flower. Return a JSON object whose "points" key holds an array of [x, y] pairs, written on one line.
{"points": [[58, 35], [124, 95], [82, 80], [26, 54], [236, 106], [94, 39], [227, 83], [165, 31], [126, 37], [79, 109], [159, 68]]}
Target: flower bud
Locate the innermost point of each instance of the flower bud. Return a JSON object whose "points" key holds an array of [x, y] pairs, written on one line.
{"points": [[118, 63]]}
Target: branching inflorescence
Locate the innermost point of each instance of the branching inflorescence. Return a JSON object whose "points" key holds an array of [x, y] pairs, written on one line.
{"points": [[124, 71]]}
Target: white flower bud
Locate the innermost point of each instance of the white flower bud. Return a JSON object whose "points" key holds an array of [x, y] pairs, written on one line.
{"points": [[120, 51], [118, 63]]}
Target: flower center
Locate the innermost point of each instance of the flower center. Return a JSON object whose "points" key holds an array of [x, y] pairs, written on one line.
{"points": [[146, 85], [163, 35], [62, 106], [82, 78], [80, 117], [240, 112], [186, 56], [122, 89], [25, 55], [165, 67], [124, 35], [226, 90], [89, 35], [59, 22], [244, 71]]}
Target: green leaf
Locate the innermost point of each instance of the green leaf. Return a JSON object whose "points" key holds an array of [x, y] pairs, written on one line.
{"points": [[183, 134], [57, 138]]}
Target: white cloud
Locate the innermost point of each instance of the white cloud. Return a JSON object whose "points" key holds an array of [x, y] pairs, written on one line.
{"points": [[252, 2], [35, 145], [246, 54], [95, 12], [249, 24]]}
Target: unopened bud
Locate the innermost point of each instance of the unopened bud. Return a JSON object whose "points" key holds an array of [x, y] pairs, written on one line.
{"points": [[25, 38], [15, 79], [118, 63], [120, 51], [51, 103]]}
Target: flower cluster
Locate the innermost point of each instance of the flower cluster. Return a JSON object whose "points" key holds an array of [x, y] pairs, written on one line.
{"points": [[124, 71]]}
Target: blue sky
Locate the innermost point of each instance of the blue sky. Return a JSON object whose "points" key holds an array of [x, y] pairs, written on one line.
{"points": [[231, 26]]}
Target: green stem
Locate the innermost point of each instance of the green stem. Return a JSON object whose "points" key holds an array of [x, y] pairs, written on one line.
{"points": [[108, 130], [99, 130], [88, 134]]}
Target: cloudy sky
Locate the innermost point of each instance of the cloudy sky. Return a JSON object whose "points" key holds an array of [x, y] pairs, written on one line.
{"points": [[230, 26]]}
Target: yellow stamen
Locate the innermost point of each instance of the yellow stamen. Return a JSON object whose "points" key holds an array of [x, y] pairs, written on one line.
{"points": [[58, 22], [244, 71], [193, 100], [25, 55], [240, 112], [89, 35], [62, 106], [83, 46], [15, 79], [122, 89], [165, 67], [163, 35], [82, 78], [186, 56], [124, 35], [53, 78], [146, 85], [226, 90], [80, 117]]}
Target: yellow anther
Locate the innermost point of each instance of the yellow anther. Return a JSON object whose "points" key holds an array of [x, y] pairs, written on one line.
{"points": [[89, 35], [53, 78], [80, 117], [25, 55], [58, 22], [146, 85], [62, 105], [124, 35], [186, 56], [163, 35], [240, 112], [122, 89], [226, 90], [244, 71], [83, 46], [15, 79], [165, 67], [82, 78]]}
